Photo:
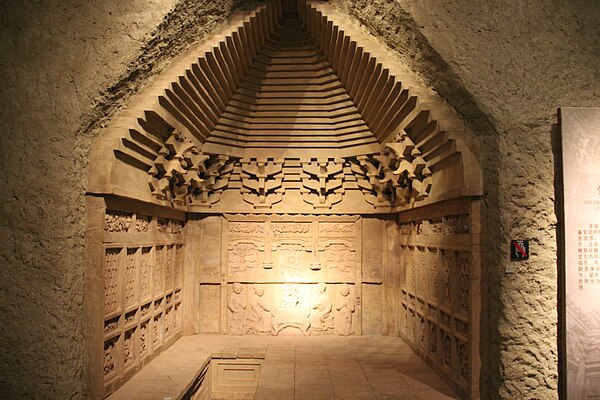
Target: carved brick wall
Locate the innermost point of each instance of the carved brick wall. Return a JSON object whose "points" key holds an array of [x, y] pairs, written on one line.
{"points": [[143, 280], [436, 290], [289, 275]]}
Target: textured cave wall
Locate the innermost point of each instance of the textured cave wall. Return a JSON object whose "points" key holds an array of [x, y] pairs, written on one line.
{"points": [[506, 66], [66, 66]]}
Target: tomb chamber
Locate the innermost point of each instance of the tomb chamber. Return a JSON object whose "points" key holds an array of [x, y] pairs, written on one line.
{"points": [[286, 176]]}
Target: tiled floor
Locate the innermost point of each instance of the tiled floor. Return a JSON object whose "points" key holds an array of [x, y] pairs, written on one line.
{"points": [[370, 368], [297, 368]]}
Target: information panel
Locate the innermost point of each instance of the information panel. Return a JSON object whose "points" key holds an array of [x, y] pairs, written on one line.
{"points": [[580, 134]]}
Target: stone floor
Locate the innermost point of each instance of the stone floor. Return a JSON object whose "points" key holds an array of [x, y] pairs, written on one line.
{"points": [[297, 368], [348, 368]]}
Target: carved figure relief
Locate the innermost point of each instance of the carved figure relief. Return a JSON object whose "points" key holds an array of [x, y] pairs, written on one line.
{"points": [[117, 222], [111, 272], [237, 310], [345, 306], [130, 271], [320, 318], [322, 182], [260, 318], [261, 182]]}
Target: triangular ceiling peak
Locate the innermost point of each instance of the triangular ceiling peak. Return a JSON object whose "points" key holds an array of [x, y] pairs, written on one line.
{"points": [[285, 82]]}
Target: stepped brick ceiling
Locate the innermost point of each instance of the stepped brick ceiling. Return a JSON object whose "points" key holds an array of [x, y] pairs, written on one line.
{"points": [[289, 84]]}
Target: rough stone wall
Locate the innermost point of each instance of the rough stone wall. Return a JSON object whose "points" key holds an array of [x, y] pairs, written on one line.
{"points": [[66, 66], [506, 66]]}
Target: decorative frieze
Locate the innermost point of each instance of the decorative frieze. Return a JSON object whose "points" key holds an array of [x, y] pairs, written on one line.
{"points": [[181, 174], [117, 222]]}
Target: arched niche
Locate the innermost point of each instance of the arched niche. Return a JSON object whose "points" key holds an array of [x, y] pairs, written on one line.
{"points": [[289, 134]]}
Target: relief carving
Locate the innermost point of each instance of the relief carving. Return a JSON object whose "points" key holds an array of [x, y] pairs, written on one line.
{"points": [[464, 263], [247, 228], [463, 360], [142, 224], [261, 182], [114, 222], [242, 256], [340, 255], [458, 224], [345, 306], [290, 257], [168, 268], [145, 272], [144, 345], [447, 350], [433, 340], [110, 368], [162, 225], [447, 269], [157, 274], [322, 182], [128, 353], [320, 318], [178, 272], [176, 227], [339, 228], [260, 317], [156, 333], [285, 228], [111, 284], [433, 278], [130, 277], [167, 322], [291, 312], [236, 304]]}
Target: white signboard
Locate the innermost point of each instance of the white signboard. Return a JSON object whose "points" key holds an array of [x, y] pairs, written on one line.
{"points": [[580, 135]]}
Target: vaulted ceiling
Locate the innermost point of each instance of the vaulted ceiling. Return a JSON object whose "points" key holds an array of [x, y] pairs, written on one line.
{"points": [[290, 84]]}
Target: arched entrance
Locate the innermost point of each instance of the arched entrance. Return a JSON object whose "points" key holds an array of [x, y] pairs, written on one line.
{"points": [[283, 179]]}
